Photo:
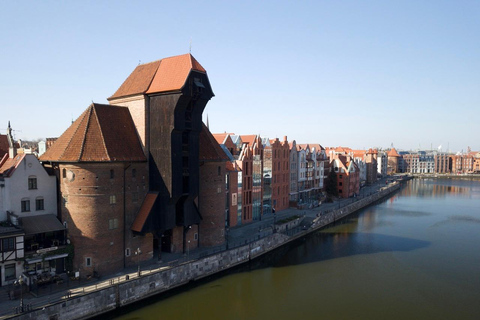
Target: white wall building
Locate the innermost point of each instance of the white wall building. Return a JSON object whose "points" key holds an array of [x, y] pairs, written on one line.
{"points": [[382, 163], [28, 189]]}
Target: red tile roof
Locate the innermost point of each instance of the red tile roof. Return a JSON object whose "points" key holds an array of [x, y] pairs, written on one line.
{"points": [[220, 137], [168, 74], [393, 153], [142, 216], [210, 149], [8, 165], [103, 133], [249, 139]]}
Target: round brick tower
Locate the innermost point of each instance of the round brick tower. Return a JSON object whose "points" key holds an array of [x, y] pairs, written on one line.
{"points": [[103, 179]]}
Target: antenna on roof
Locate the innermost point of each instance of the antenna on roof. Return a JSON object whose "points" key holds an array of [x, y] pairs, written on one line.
{"points": [[72, 117], [139, 62], [190, 49]]}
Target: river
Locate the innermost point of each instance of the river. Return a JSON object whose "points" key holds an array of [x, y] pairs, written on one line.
{"points": [[412, 256]]}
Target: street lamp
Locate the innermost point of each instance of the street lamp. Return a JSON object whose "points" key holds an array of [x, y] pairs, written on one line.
{"points": [[188, 250], [137, 253]]}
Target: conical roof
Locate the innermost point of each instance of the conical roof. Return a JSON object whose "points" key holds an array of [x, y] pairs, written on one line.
{"points": [[393, 153], [103, 133]]}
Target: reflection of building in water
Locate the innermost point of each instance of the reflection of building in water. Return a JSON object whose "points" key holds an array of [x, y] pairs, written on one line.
{"points": [[434, 188]]}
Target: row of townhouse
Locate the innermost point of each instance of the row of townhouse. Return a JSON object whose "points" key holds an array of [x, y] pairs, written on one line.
{"points": [[429, 162]]}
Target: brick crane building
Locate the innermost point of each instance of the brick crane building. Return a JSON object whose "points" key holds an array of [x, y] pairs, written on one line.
{"points": [[131, 172]]}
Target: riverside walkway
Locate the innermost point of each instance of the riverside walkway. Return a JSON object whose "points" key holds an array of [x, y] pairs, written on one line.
{"points": [[236, 236]]}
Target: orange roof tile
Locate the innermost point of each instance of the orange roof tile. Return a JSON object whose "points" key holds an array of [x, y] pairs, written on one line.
{"points": [[393, 153], [220, 137], [103, 133], [210, 149], [248, 139], [168, 74], [142, 216], [8, 165]]}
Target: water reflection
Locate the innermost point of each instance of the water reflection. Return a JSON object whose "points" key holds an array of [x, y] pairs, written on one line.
{"points": [[325, 245], [440, 188], [457, 219], [412, 256]]}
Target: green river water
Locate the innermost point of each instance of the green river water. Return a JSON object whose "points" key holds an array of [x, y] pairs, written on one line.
{"points": [[413, 256]]}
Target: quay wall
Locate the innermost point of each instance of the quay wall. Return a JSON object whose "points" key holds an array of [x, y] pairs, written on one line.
{"points": [[137, 288]]}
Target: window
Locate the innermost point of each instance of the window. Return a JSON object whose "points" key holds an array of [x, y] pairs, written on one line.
{"points": [[64, 173], [88, 262], [10, 271], [32, 182], [25, 205], [112, 174], [127, 252], [195, 236], [39, 204], [219, 170], [112, 224], [8, 244], [113, 199], [134, 173]]}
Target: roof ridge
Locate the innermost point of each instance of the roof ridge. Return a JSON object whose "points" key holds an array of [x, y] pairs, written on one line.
{"points": [[153, 76], [84, 136], [101, 133], [15, 166], [71, 137]]}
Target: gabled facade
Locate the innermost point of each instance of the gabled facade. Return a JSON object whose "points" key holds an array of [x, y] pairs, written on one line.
{"points": [[348, 175], [232, 199], [28, 212], [280, 173], [293, 189], [255, 180]]}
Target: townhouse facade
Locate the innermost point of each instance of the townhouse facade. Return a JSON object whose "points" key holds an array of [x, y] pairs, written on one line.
{"points": [[28, 216]]}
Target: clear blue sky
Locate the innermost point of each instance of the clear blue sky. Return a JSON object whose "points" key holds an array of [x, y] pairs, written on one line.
{"points": [[350, 73]]}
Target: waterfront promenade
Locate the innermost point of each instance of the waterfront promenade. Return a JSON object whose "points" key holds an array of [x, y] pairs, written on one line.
{"points": [[236, 237]]}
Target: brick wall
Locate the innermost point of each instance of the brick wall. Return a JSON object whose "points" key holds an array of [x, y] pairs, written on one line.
{"points": [[212, 203], [92, 204]]}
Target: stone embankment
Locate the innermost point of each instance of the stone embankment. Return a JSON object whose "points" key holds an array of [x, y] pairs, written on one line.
{"points": [[132, 289]]}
